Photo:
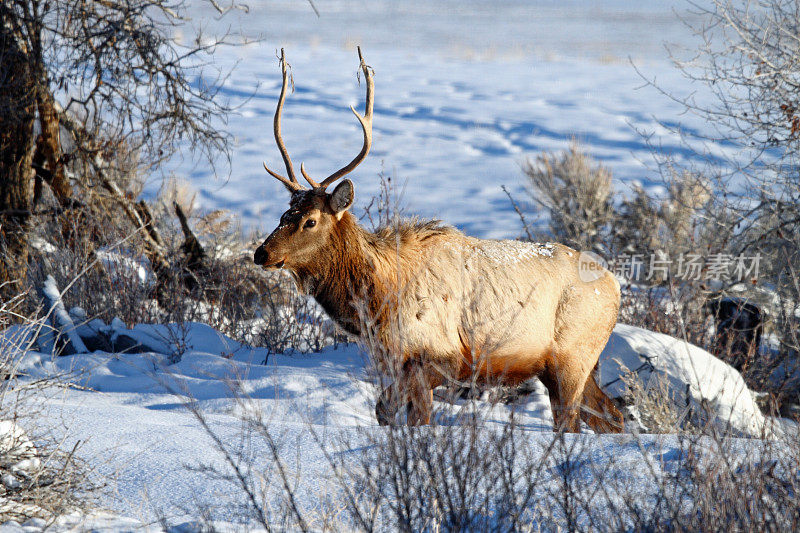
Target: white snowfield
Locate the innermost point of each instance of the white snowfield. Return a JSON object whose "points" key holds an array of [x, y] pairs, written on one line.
{"points": [[130, 411], [464, 93], [450, 133]]}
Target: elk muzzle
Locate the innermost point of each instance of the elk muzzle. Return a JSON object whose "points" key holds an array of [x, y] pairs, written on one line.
{"points": [[262, 258]]}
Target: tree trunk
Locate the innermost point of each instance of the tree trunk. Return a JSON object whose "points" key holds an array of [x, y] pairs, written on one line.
{"points": [[49, 165], [17, 115], [49, 144]]}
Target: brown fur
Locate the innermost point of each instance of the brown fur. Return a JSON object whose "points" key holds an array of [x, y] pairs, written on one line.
{"points": [[450, 307]]}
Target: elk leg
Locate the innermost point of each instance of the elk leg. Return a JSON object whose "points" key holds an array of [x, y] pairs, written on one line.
{"points": [[418, 383], [414, 389], [387, 406], [555, 402], [420, 408], [602, 415], [565, 394], [406, 391]]}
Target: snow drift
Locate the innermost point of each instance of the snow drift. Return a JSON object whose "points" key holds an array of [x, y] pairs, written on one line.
{"points": [[714, 391]]}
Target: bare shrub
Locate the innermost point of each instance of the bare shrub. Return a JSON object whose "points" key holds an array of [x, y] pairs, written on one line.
{"points": [[653, 406], [720, 486], [584, 213], [577, 193], [672, 310], [384, 209], [74, 70], [684, 213], [113, 271], [469, 471], [40, 476], [747, 62], [635, 227]]}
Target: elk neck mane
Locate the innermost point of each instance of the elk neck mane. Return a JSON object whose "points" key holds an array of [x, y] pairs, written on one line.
{"points": [[368, 267]]}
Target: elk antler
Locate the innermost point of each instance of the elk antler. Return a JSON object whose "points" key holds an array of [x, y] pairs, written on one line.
{"points": [[366, 125], [307, 177], [292, 184]]}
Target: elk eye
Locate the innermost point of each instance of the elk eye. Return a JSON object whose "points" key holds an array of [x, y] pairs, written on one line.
{"points": [[310, 223]]}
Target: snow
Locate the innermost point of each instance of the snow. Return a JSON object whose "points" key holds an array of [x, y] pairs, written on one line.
{"points": [[20, 462], [507, 252], [121, 265], [59, 319], [130, 410], [464, 92], [714, 390], [16, 446]]}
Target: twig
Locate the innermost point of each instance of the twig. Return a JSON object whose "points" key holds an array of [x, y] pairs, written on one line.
{"points": [[519, 212]]}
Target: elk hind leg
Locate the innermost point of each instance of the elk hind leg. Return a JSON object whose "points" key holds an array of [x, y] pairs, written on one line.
{"points": [[599, 410], [565, 396], [585, 318]]}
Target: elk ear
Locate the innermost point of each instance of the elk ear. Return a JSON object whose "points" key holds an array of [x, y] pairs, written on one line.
{"points": [[342, 198]]}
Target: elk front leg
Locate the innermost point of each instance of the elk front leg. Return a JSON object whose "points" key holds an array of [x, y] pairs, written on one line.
{"points": [[414, 389], [387, 406], [419, 381], [420, 402]]}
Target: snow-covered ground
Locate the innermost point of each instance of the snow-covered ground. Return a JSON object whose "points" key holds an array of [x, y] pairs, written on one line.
{"points": [[130, 412], [465, 91]]}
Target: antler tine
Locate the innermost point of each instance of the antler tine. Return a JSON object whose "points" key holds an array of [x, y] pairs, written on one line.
{"points": [[366, 125], [308, 178], [291, 183]]}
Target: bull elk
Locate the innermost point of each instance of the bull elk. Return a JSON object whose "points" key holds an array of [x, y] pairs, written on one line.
{"points": [[446, 306]]}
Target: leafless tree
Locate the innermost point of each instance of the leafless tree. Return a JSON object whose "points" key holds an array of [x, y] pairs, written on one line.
{"points": [[89, 86], [748, 61], [16, 132]]}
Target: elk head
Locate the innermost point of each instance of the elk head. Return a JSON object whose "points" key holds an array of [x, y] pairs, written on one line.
{"points": [[305, 229]]}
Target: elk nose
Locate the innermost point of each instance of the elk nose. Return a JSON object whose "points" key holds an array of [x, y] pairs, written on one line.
{"points": [[260, 257]]}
